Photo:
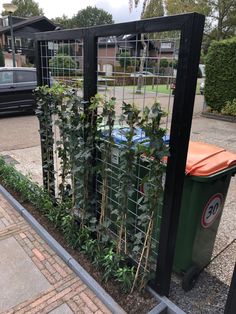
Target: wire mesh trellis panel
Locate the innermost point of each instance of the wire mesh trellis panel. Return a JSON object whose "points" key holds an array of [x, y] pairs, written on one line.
{"points": [[61, 61], [138, 69], [139, 63]]}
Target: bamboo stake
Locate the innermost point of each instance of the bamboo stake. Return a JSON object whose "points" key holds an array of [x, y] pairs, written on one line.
{"points": [[142, 254], [120, 237], [104, 200], [147, 253]]}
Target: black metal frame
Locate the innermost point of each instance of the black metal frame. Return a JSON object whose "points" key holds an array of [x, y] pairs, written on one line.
{"points": [[230, 307], [191, 27], [48, 172]]}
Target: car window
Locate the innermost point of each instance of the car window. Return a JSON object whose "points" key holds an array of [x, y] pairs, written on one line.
{"points": [[25, 76], [6, 77]]}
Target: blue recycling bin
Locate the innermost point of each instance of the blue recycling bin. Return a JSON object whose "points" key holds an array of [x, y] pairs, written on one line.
{"points": [[141, 169]]}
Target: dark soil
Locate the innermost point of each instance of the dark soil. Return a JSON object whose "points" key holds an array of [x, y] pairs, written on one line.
{"points": [[137, 302]]}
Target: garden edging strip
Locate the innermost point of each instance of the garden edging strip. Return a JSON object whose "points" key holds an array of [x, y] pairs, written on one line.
{"points": [[165, 304], [64, 255], [221, 117]]}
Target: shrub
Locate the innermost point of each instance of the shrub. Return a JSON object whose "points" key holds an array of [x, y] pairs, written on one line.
{"points": [[230, 108], [164, 63], [124, 59], [173, 64], [163, 66], [28, 190], [63, 65], [220, 74], [2, 60], [66, 49]]}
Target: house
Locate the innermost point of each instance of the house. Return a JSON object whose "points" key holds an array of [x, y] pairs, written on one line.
{"points": [[110, 47], [23, 29]]}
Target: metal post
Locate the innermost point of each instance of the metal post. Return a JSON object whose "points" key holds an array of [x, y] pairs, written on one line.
{"points": [[189, 55], [12, 41], [43, 78], [90, 66], [230, 307], [90, 90]]}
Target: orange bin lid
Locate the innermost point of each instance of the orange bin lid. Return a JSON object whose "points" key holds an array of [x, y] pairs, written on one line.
{"points": [[205, 160]]}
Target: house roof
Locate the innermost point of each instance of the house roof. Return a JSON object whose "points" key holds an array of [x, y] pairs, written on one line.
{"points": [[27, 22]]}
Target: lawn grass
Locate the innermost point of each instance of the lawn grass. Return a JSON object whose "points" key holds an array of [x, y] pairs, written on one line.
{"points": [[162, 89]]}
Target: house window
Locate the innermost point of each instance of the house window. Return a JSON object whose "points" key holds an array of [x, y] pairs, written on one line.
{"points": [[6, 77], [5, 21], [25, 76], [124, 50], [17, 42], [165, 45], [108, 69]]}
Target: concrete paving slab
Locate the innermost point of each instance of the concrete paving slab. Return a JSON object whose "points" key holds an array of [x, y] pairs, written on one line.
{"points": [[33, 278], [28, 161], [20, 279], [63, 309], [19, 132], [2, 226]]}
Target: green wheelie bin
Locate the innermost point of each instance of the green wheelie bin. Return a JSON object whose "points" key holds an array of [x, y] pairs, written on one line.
{"points": [[208, 173]]}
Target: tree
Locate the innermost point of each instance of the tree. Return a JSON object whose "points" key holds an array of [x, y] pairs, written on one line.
{"points": [[135, 3], [185, 6], [63, 21], [91, 16], [26, 8], [153, 8], [221, 14]]}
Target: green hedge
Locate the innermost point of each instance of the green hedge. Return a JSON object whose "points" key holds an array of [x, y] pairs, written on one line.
{"points": [[220, 74]]}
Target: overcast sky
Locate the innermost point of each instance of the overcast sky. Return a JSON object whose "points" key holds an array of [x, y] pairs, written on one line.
{"points": [[118, 8]]}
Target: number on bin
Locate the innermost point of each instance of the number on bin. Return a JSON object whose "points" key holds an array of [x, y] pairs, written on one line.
{"points": [[212, 210]]}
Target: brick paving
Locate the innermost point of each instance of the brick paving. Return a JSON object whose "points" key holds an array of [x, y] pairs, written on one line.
{"points": [[66, 288]]}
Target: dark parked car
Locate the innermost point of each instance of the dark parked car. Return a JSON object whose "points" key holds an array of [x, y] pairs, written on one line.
{"points": [[16, 86]]}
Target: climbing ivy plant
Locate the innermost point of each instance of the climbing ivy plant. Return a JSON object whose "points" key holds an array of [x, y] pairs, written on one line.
{"points": [[152, 155], [83, 139], [130, 116], [106, 145], [45, 105]]}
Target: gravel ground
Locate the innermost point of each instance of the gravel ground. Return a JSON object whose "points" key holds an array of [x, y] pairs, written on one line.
{"points": [[210, 292]]}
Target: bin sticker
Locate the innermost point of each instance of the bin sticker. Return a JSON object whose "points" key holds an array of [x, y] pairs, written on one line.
{"points": [[212, 210], [115, 156]]}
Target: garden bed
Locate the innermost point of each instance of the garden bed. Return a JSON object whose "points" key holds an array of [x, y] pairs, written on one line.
{"points": [[219, 116], [135, 302]]}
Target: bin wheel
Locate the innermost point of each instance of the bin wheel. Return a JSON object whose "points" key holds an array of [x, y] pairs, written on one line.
{"points": [[190, 278]]}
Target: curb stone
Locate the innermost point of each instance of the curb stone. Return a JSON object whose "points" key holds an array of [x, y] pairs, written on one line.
{"points": [[221, 117]]}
